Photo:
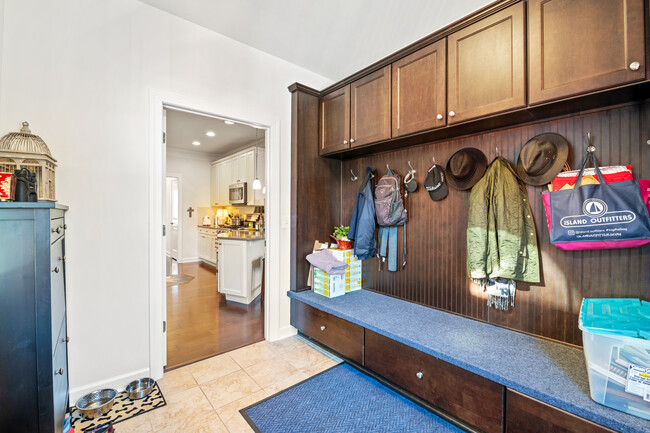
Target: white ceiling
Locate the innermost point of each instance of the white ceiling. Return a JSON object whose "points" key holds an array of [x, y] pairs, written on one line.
{"points": [[183, 128], [333, 38]]}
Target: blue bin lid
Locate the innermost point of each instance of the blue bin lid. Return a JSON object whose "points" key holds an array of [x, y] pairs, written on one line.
{"points": [[626, 317]]}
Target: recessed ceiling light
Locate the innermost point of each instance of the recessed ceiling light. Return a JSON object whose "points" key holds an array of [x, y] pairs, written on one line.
{"points": [[228, 122], [196, 143], [210, 134]]}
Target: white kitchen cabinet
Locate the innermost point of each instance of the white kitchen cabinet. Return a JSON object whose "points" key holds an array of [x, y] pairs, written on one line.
{"points": [[207, 246], [235, 169], [240, 269]]}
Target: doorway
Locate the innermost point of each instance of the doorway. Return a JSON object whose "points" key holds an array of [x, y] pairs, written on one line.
{"points": [[204, 156]]}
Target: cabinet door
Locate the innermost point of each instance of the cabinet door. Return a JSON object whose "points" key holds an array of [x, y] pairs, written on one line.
{"points": [[334, 121], [232, 272], [370, 108], [214, 184], [224, 182], [419, 90], [258, 194], [577, 46], [485, 69], [250, 176], [242, 169]]}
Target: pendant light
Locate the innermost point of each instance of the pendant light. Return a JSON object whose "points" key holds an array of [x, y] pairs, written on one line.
{"points": [[256, 183]]}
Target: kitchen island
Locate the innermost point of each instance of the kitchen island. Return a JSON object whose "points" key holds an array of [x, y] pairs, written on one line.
{"points": [[240, 263]]}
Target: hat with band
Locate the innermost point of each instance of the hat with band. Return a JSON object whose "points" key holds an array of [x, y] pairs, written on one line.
{"points": [[542, 158], [435, 183], [465, 168]]}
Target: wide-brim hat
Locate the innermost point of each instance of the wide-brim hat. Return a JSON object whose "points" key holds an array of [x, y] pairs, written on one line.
{"points": [[542, 158], [465, 168]]}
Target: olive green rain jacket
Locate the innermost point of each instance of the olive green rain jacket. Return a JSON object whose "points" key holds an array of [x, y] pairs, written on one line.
{"points": [[501, 239]]}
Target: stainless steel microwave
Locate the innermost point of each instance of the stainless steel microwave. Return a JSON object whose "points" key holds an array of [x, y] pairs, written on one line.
{"points": [[237, 193]]}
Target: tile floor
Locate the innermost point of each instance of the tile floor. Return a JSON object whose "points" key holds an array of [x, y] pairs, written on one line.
{"points": [[207, 396]]}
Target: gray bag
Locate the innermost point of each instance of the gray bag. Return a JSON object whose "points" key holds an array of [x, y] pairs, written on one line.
{"points": [[389, 206]]}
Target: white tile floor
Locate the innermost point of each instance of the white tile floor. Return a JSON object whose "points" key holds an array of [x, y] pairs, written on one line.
{"points": [[207, 396]]}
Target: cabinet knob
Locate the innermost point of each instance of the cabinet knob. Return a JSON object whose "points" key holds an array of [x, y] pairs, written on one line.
{"points": [[352, 140], [439, 117], [56, 269], [59, 371], [419, 375], [65, 340], [57, 230], [65, 227], [452, 114], [62, 259], [345, 141], [634, 66], [322, 328]]}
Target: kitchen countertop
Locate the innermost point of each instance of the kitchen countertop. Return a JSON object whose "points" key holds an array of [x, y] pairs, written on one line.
{"points": [[242, 235], [548, 371]]}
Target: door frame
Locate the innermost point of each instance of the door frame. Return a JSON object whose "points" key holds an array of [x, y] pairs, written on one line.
{"points": [[158, 101], [179, 247]]}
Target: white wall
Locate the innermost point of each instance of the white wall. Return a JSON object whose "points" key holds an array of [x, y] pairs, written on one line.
{"points": [[82, 79], [194, 168]]}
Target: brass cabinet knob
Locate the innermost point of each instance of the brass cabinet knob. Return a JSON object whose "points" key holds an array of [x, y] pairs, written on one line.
{"points": [[439, 117], [352, 140], [452, 114], [345, 141], [56, 269], [419, 375], [322, 328], [634, 66], [57, 230]]}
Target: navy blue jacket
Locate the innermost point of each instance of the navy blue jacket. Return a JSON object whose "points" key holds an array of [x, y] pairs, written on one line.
{"points": [[362, 226]]}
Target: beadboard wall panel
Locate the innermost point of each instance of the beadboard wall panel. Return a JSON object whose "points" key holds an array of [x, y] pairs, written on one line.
{"points": [[436, 271]]}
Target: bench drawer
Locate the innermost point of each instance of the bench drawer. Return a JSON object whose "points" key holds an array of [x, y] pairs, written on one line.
{"points": [[528, 415], [342, 336], [467, 396]]}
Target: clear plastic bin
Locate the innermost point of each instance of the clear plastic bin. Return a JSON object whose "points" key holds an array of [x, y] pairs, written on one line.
{"points": [[615, 333]]}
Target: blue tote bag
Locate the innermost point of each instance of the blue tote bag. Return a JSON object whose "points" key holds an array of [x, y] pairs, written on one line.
{"points": [[591, 217]]}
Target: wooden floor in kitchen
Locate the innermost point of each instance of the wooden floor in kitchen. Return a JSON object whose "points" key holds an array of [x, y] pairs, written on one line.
{"points": [[201, 323]]}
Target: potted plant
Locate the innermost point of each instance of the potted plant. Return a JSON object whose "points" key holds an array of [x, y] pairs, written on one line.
{"points": [[341, 236]]}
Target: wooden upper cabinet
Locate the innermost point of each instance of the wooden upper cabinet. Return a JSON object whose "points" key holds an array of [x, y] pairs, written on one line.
{"points": [[576, 46], [370, 108], [486, 66], [419, 96], [334, 121]]}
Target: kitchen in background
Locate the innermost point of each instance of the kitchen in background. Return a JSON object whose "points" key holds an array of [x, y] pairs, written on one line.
{"points": [[214, 282]]}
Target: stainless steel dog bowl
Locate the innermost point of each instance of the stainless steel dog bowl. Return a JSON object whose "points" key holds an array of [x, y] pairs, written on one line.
{"points": [[140, 388], [97, 403]]}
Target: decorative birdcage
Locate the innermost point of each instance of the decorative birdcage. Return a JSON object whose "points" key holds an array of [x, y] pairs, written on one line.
{"points": [[26, 150]]}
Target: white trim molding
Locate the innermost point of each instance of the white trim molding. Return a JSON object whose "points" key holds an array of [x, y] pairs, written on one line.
{"points": [[117, 382], [158, 100]]}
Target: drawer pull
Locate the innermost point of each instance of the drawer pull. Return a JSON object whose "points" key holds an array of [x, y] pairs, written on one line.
{"points": [[634, 66], [439, 117], [57, 230], [322, 328], [59, 371], [452, 114], [419, 375], [56, 269], [65, 340]]}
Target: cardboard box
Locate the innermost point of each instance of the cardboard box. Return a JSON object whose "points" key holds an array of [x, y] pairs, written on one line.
{"points": [[337, 285]]}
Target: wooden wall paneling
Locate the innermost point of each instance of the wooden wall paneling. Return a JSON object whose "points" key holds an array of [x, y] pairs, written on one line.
{"points": [[436, 274], [315, 185], [560, 29]]}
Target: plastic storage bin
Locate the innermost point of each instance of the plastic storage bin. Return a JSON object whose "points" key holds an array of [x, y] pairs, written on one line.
{"points": [[616, 337]]}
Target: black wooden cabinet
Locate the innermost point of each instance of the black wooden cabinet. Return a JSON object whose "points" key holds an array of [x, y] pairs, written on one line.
{"points": [[33, 334]]}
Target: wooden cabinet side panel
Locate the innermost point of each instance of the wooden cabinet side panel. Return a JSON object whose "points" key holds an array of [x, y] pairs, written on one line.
{"points": [[370, 108], [419, 90], [486, 66], [527, 415], [465, 395], [577, 46]]}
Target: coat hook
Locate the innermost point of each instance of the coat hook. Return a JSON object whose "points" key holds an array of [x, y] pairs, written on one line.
{"points": [[387, 167], [590, 141], [353, 177], [433, 158], [497, 149], [411, 167]]}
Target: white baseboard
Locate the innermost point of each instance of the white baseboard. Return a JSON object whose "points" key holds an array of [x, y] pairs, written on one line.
{"points": [[190, 259], [117, 382], [283, 332]]}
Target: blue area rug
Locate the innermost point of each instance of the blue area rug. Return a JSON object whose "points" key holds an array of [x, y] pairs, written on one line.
{"points": [[342, 400]]}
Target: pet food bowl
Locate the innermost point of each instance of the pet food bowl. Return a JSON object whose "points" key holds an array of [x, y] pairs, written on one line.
{"points": [[140, 388], [97, 403]]}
